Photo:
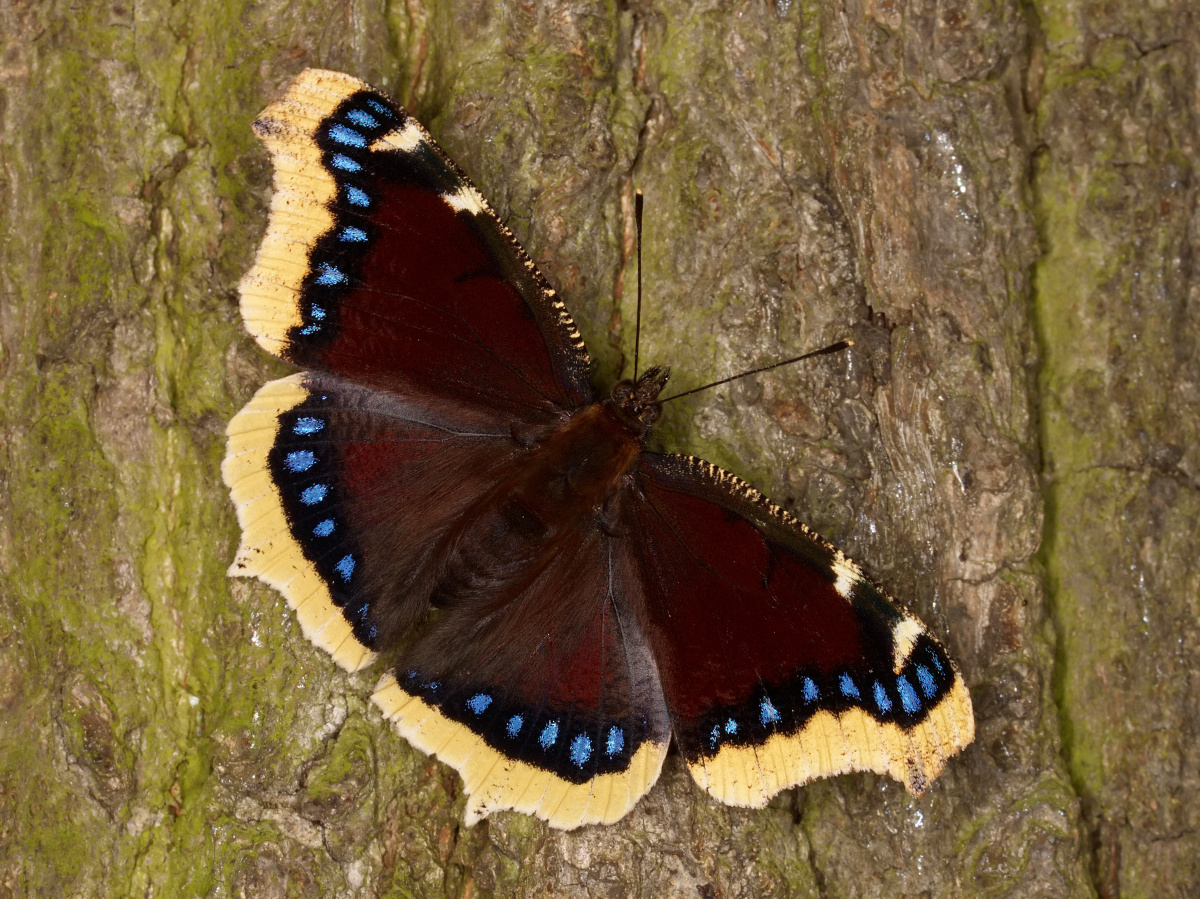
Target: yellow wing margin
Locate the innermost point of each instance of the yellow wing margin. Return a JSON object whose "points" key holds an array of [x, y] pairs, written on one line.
{"points": [[494, 782], [832, 744], [268, 551], [300, 205]]}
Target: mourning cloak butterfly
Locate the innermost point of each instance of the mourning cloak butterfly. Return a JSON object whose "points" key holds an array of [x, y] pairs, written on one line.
{"points": [[442, 485]]}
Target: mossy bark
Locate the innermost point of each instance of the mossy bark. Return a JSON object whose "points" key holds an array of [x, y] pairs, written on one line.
{"points": [[997, 200]]}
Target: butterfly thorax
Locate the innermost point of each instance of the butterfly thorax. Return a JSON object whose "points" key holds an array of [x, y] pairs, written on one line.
{"points": [[569, 483]]}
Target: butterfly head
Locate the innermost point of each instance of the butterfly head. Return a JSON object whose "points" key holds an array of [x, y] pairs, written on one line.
{"points": [[637, 401]]}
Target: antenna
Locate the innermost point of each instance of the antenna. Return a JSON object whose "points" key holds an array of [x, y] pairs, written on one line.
{"points": [[637, 329], [832, 348]]}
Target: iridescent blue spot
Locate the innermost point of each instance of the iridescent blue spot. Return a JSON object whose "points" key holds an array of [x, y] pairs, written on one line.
{"points": [[433, 685], [928, 687], [345, 567], [318, 312], [811, 693], [767, 713], [314, 494], [380, 108], [479, 703], [324, 529], [362, 119], [309, 330], [549, 735], [616, 741], [411, 674], [300, 460], [908, 696], [357, 197], [937, 663], [345, 163], [352, 234], [371, 632], [581, 750], [730, 726], [330, 275], [347, 136], [714, 736], [881, 698], [514, 725], [306, 426], [848, 686]]}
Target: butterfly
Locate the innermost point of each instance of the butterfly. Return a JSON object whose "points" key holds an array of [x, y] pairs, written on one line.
{"points": [[442, 487]]}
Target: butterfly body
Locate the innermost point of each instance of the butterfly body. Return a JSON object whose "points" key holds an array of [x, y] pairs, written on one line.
{"points": [[441, 485], [565, 485]]}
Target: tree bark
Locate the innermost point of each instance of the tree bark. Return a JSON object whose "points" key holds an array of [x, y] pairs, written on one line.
{"points": [[995, 200]]}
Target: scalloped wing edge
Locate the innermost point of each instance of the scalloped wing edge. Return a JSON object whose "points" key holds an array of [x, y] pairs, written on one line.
{"points": [[493, 782]]}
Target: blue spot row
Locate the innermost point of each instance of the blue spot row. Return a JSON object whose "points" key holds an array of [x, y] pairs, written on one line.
{"points": [[910, 697], [580, 750], [299, 461], [365, 121]]}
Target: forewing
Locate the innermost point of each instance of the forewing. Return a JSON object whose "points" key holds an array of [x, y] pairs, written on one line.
{"points": [[343, 494], [547, 701], [780, 661], [383, 264]]}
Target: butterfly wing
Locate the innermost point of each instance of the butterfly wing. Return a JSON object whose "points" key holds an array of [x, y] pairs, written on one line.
{"points": [[343, 493], [780, 661], [546, 701], [383, 264], [384, 269]]}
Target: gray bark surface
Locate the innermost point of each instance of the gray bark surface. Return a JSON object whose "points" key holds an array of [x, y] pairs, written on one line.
{"points": [[996, 200]]}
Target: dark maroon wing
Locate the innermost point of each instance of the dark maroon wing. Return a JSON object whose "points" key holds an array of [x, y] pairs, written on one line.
{"points": [[544, 697], [779, 660], [343, 494], [383, 264]]}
